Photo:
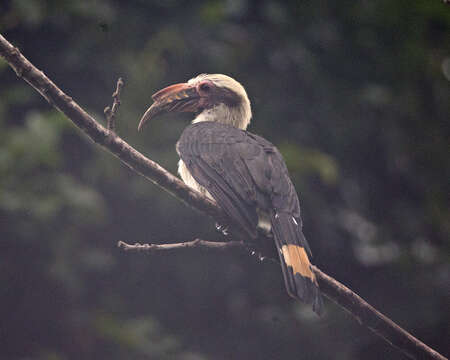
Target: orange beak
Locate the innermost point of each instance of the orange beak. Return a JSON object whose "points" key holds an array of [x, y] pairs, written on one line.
{"points": [[175, 98]]}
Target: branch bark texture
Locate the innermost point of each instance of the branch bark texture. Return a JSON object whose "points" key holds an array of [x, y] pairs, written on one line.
{"points": [[337, 292]]}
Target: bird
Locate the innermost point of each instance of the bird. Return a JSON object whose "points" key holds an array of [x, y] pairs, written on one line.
{"points": [[244, 173]]}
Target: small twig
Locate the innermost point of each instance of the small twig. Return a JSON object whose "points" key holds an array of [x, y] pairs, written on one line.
{"points": [[196, 243], [110, 112]]}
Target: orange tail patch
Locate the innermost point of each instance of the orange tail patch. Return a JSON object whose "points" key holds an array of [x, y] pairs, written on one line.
{"points": [[295, 256]]}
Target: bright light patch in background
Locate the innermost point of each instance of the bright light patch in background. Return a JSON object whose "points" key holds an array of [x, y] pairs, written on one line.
{"points": [[446, 68]]}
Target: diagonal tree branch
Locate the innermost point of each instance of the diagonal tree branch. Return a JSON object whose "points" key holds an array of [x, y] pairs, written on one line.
{"points": [[337, 292], [347, 299]]}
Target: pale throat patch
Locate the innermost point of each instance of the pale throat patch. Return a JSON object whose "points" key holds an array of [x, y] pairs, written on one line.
{"points": [[295, 256], [237, 116]]}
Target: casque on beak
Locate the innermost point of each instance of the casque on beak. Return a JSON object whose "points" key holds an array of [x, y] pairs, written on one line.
{"points": [[175, 98]]}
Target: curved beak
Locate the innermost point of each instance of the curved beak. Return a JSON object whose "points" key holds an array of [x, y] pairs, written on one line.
{"points": [[174, 98]]}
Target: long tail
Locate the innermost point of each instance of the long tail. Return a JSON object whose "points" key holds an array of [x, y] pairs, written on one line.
{"points": [[293, 250]]}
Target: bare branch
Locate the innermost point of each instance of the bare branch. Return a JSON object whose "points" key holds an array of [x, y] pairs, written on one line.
{"points": [[107, 139], [343, 296], [110, 112], [378, 323], [196, 243]]}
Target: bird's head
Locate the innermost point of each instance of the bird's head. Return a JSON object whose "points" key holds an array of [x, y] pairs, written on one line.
{"points": [[214, 97]]}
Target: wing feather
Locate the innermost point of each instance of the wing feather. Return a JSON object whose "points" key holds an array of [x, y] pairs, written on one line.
{"points": [[245, 173], [243, 170]]}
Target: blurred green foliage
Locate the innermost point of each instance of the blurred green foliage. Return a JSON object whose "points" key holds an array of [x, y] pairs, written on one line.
{"points": [[356, 96]]}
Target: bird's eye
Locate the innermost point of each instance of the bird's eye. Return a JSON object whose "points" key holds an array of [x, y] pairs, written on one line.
{"points": [[205, 87]]}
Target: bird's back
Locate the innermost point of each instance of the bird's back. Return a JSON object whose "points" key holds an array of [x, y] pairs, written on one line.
{"points": [[247, 176], [241, 162]]}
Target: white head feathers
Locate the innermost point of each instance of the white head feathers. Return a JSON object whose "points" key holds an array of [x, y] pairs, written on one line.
{"points": [[238, 115]]}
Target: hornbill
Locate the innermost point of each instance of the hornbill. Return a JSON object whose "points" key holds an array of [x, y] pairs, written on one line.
{"points": [[244, 173]]}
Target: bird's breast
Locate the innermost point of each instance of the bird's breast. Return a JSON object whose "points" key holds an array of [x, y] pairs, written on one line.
{"points": [[189, 180]]}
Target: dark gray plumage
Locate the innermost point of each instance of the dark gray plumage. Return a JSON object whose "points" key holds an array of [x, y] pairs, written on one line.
{"points": [[244, 172]]}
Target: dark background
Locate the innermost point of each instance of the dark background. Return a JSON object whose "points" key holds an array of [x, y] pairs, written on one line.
{"points": [[356, 96]]}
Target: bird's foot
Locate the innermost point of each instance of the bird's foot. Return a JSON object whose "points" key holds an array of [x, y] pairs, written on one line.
{"points": [[258, 255], [222, 229]]}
